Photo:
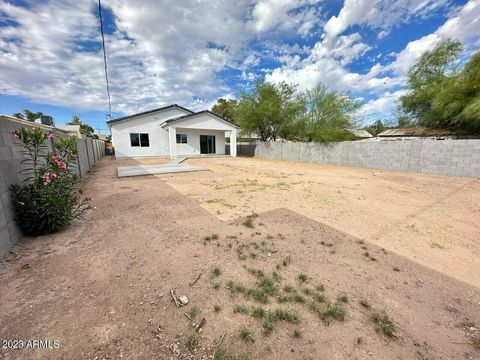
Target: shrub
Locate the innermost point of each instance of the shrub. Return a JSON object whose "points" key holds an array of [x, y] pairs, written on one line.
{"points": [[49, 198]]}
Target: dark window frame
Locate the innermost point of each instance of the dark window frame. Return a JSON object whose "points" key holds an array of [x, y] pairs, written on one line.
{"points": [[182, 139], [137, 141]]}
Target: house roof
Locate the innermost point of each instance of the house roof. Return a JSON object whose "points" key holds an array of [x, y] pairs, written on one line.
{"points": [[184, 117], [416, 131], [149, 112], [360, 133], [69, 128]]}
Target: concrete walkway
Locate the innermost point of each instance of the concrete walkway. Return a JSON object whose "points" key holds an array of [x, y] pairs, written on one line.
{"points": [[173, 166]]}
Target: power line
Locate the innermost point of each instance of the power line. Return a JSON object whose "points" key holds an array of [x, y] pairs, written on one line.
{"points": [[109, 115]]}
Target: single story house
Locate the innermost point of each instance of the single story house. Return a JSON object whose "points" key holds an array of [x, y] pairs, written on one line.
{"points": [[172, 131], [417, 132]]}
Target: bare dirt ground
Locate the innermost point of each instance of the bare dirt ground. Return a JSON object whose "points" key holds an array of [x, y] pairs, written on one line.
{"points": [[101, 287], [433, 220]]}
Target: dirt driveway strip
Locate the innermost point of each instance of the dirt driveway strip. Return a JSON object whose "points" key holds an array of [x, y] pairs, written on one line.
{"points": [[431, 219], [101, 286]]}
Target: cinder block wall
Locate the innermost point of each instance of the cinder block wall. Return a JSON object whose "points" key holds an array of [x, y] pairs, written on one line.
{"points": [[444, 157], [10, 165]]}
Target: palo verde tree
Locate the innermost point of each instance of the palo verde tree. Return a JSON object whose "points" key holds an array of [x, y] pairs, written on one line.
{"points": [[441, 93], [328, 114], [269, 110]]}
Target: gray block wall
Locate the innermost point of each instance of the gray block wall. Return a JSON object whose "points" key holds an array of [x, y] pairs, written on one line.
{"points": [[443, 157], [10, 165]]}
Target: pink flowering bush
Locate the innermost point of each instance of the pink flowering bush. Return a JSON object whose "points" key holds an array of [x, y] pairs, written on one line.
{"points": [[49, 199]]}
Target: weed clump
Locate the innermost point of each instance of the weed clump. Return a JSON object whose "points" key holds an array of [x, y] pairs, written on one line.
{"points": [[246, 334], [248, 222], [365, 303], [333, 312], [258, 312], [342, 297], [240, 309], [302, 277], [216, 271], [191, 340], [384, 324]]}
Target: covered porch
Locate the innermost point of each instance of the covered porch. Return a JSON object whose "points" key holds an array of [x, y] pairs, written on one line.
{"points": [[200, 135]]}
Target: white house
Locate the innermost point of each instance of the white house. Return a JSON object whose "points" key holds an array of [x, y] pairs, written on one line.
{"points": [[172, 131]]}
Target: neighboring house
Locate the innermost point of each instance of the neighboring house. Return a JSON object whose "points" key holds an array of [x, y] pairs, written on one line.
{"points": [[416, 132], [171, 131], [359, 133], [71, 130]]}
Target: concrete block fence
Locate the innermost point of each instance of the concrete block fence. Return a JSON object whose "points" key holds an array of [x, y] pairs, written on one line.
{"points": [[89, 151], [443, 157]]}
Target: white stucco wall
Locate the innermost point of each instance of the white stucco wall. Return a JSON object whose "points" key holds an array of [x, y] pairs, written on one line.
{"points": [[150, 123], [192, 147], [205, 121]]}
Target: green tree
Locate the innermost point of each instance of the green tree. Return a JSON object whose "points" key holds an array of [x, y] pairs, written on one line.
{"points": [[226, 108], [84, 128], [28, 115], [425, 80], [442, 94], [458, 99], [328, 114], [376, 128], [270, 110]]}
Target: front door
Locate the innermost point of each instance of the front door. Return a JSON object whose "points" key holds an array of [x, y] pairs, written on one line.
{"points": [[207, 144]]}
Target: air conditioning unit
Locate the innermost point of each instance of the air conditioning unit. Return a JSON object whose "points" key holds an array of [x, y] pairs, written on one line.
{"points": [[47, 120]]}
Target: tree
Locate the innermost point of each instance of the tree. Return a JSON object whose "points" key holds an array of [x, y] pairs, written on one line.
{"points": [[28, 115], [376, 128], [458, 99], [269, 110], [328, 114], [84, 128], [425, 79], [441, 94], [226, 108]]}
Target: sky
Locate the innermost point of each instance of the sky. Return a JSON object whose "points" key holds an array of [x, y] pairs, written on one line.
{"points": [[192, 52]]}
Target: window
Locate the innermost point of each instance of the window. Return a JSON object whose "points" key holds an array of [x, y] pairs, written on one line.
{"points": [[134, 139], [181, 138], [139, 140], [144, 142]]}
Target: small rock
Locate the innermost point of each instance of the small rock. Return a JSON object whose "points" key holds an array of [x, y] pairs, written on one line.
{"points": [[183, 300]]}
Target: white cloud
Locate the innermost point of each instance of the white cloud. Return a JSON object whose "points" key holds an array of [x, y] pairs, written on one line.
{"points": [[465, 25], [381, 14], [382, 34], [301, 15], [160, 53], [353, 12], [386, 104]]}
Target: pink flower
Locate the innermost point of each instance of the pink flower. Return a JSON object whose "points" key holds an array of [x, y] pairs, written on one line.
{"points": [[48, 177], [94, 208], [50, 136]]}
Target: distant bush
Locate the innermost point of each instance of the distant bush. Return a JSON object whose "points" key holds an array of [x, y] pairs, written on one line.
{"points": [[50, 198]]}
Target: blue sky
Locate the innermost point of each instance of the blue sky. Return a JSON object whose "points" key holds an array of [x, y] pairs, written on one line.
{"points": [[193, 52]]}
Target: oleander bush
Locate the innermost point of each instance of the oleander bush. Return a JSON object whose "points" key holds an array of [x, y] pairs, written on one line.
{"points": [[50, 197]]}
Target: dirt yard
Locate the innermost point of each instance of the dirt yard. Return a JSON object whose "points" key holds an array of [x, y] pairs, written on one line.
{"points": [[433, 220], [323, 268]]}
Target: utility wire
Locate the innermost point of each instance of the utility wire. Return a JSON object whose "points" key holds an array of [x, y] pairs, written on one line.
{"points": [[109, 115]]}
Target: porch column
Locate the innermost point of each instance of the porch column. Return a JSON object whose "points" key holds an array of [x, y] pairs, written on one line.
{"points": [[172, 137], [233, 143]]}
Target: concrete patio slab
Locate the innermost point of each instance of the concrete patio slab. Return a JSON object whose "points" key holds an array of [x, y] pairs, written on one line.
{"points": [[169, 168], [177, 160]]}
